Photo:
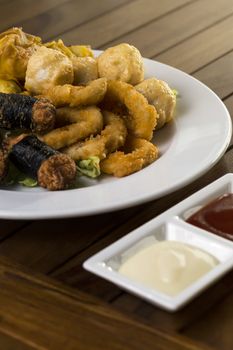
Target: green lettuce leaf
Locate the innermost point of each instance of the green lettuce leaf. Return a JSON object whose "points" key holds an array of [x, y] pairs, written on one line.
{"points": [[15, 176], [28, 182], [89, 167], [175, 92]]}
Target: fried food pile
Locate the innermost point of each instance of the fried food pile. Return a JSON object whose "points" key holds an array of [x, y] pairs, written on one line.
{"points": [[98, 112]]}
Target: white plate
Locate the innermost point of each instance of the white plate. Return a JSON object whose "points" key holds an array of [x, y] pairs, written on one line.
{"points": [[189, 147], [169, 226]]}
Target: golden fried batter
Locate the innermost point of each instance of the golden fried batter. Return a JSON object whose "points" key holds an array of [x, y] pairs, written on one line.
{"points": [[16, 47], [57, 172], [121, 62], [111, 138], [76, 96], [85, 122], [85, 70], [160, 95], [140, 154], [47, 68], [142, 117]]}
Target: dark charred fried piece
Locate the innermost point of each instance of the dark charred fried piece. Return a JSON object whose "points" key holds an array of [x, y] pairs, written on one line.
{"points": [[26, 112], [3, 164], [52, 169], [57, 172]]}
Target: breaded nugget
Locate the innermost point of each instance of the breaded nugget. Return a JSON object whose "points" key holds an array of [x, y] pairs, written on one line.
{"points": [[111, 138], [137, 154], [142, 117], [85, 122], [77, 96], [121, 62], [159, 94]]}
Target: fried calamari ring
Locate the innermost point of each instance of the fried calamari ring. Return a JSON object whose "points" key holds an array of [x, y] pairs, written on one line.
{"points": [[142, 117], [111, 138], [85, 122], [76, 96], [141, 153]]}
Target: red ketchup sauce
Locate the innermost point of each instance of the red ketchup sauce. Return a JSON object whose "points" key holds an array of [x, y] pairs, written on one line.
{"points": [[216, 217]]}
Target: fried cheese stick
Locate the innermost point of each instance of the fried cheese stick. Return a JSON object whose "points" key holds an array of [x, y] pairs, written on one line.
{"points": [[111, 138], [85, 122], [141, 153]]}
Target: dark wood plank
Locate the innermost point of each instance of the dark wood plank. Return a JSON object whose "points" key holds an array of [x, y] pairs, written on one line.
{"points": [[8, 227], [125, 19], [45, 245], [73, 274], [9, 343], [202, 48], [218, 75], [45, 314], [170, 30], [15, 11], [66, 16], [215, 327]]}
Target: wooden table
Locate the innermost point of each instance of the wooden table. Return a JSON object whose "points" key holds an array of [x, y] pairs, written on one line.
{"points": [[47, 300]]}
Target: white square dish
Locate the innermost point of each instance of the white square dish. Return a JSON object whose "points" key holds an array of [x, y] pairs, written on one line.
{"points": [[169, 226]]}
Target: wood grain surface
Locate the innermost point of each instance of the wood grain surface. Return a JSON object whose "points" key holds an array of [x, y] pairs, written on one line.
{"points": [[45, 314], [47, 300]]}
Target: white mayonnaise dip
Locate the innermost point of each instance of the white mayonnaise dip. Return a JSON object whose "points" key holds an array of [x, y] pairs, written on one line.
{"points": [[168, 266]]}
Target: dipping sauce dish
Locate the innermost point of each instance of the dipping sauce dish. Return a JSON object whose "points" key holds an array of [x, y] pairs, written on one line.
{"points": [[168, 266], [168, 261], [216, 216]]}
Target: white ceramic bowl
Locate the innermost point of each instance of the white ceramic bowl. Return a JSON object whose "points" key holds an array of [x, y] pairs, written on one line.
{"points": [[170, 225]]}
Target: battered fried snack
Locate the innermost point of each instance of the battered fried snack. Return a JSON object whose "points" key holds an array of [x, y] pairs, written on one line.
{"points": [[47, 68], [85, 70], [160, 95], [140, 154], [77, 96], [111, 138], [85, 122], [58, 172], [53, 170], [142, 117], [16, 47], [66, 78], [121, 62], [26, 112]]}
